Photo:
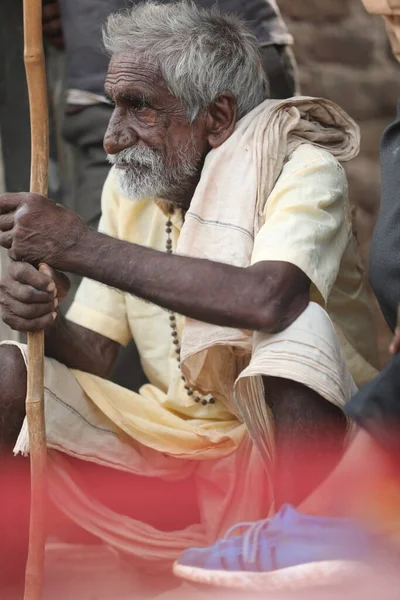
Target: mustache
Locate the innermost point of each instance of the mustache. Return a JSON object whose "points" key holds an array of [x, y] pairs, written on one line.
{"points": [[136, 155]]}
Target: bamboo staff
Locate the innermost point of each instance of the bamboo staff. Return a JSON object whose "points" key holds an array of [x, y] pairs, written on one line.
{"points": [[36, 80]]}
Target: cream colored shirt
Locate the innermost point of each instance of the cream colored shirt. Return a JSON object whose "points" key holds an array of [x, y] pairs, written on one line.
{"points": [[307, 223]]}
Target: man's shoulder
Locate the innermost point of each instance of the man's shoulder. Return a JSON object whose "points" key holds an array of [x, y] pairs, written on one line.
{"points": [[313, 173], [310, 153], [309, 156]]}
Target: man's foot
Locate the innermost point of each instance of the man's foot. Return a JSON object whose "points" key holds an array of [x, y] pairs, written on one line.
{"points": [[291, 550]]}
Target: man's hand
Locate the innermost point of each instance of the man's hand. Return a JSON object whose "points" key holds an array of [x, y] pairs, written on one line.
{"points": [[395, 345], [35, 229], [29, 299]]}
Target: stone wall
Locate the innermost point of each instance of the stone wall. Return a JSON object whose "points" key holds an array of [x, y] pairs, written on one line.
{"points": [[344, 55]]}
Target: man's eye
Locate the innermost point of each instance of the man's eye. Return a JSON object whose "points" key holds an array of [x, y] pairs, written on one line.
{"points": [[139, 104]]}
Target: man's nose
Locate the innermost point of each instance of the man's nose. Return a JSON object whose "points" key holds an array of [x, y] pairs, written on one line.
{"points": [[118, 138]]}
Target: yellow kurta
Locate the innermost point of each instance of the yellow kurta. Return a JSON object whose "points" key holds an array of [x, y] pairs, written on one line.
{"points": [[307, 223]]}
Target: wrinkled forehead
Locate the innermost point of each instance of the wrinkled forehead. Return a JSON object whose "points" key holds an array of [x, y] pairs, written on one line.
{"points": [[128, 73]]}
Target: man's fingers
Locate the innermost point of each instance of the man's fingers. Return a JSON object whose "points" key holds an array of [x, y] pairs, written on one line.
{"points": [[27, 325], [28, 294], [33, 311], [60, 279], [7, 221], [6, 239], [27, 274], [28, 285], [6, 226], [10, 202], [46, 270]]}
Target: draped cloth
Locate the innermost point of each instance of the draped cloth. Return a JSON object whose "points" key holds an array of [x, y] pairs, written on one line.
{"points": [[224, 217]]}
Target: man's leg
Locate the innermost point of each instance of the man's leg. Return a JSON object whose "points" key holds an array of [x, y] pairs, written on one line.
{"points": [[309, 438], [14, 472], [12, 396], [165, 505]]}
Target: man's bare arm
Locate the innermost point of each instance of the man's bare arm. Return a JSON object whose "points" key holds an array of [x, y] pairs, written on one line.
{"points": [[265, 297], [80, 348]]}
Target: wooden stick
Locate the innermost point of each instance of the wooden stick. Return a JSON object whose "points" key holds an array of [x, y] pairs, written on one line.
{"points": [[36, 80]]}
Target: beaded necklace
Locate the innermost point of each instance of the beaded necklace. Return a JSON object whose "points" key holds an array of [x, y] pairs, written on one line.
{"points": [[174, 332]]}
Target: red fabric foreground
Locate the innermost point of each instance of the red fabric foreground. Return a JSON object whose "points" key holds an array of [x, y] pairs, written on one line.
{"points": [[165, 505]]}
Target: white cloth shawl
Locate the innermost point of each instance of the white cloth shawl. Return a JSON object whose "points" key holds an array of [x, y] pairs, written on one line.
{"points": [[225, 215]]}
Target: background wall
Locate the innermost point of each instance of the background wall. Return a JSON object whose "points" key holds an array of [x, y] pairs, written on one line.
{"points": [[344, 55]]}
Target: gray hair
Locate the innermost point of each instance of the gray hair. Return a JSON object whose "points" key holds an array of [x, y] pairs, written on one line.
{"points": [[200, 53]]}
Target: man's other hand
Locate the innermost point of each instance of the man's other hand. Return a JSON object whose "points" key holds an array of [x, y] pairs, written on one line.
{"points": [[395, 345], [30, 299], [35, 229]]}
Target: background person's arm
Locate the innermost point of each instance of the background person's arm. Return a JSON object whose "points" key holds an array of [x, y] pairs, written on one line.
{"points": [[384, 268]]}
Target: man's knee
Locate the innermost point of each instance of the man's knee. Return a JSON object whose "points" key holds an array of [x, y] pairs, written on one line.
{"points": [[295, 404], [12, 393], [12, 367]]}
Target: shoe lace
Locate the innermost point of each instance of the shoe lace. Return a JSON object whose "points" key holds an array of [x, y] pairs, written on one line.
{"points": [[251, 537]]}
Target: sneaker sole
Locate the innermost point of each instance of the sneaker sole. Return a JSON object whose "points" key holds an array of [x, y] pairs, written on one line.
{"points": [[291, 578]]}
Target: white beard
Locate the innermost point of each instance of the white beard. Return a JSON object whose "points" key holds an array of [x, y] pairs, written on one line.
{"points": [[146, 174], [143, 174]]}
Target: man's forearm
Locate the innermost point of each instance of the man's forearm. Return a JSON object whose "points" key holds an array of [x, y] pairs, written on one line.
{"points": [[217, 293], [79, 348]]}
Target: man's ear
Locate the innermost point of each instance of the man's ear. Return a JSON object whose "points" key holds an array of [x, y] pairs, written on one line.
{"points": [[221, 119]]}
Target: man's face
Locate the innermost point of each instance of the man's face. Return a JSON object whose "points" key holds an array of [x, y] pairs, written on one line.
{"points": [[156, 151]]}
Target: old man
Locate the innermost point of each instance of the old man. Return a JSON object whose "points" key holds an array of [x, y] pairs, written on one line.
{"points": [[225, 233]]}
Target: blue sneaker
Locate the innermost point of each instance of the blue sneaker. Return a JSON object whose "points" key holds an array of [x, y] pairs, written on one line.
{"points": [[289, 551]]}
